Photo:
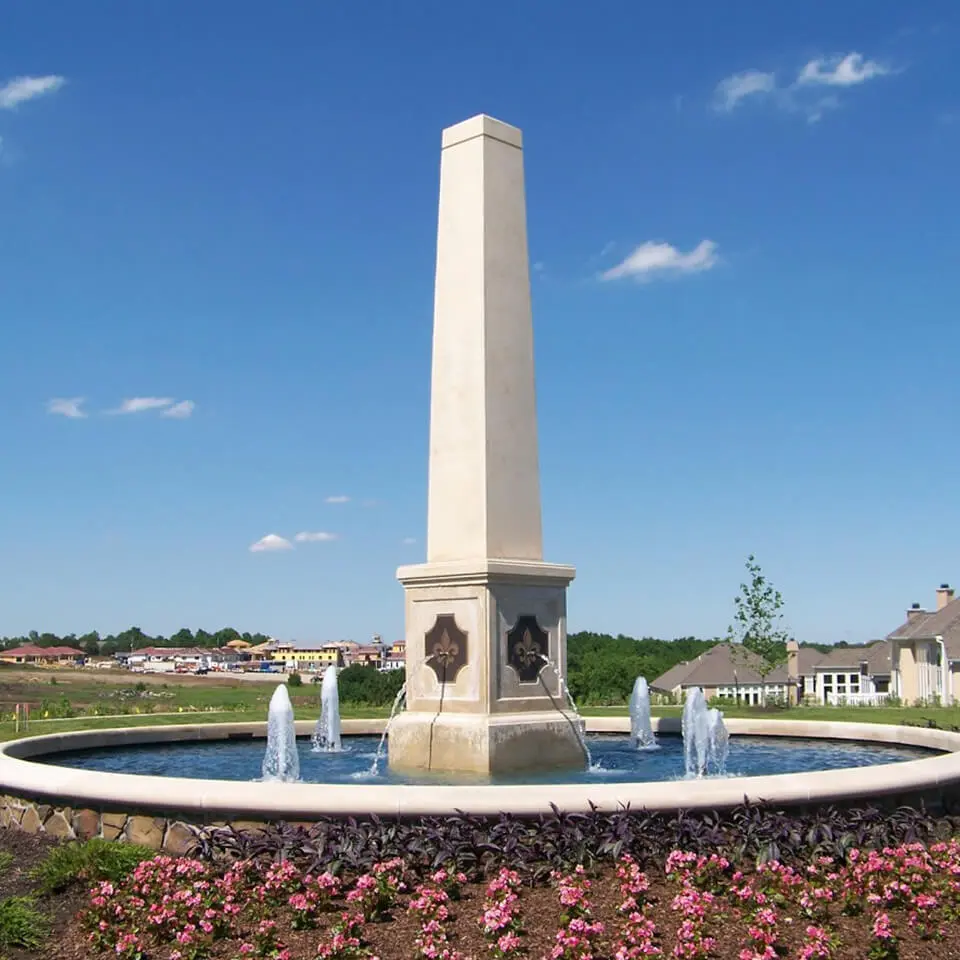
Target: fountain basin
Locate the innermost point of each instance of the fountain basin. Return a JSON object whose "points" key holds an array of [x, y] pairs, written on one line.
{"points": [[615, 760], [159, 811]]}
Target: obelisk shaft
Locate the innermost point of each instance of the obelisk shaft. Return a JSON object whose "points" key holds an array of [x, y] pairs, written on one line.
{"points": [[484, 486]]}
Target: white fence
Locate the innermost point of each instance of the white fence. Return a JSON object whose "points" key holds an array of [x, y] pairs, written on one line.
{"points": [[857, 699]]}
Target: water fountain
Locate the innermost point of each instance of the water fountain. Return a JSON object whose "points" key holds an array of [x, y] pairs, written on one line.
{"points": [[326, 735], [578, 724], [381, 746], [641, 728], [718, 739], [706, 741], [696, 736], [281, 764]]}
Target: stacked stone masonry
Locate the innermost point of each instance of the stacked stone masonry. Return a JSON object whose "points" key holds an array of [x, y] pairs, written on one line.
{"points": [[66, 823]]}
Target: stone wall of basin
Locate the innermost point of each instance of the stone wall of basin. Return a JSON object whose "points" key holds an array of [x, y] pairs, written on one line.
{"points": [[159, 812]]}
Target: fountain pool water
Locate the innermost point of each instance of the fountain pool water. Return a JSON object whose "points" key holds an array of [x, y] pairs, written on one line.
{"points": [[641, 727], [281, 762], [616, 761], [326, 735]]}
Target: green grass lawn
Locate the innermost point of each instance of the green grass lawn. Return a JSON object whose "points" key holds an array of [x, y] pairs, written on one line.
{"points": [[147, 700], [944, 717]]}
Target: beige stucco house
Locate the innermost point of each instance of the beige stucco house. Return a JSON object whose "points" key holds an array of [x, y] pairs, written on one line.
{"points": [[842, 676], [926, 652]]}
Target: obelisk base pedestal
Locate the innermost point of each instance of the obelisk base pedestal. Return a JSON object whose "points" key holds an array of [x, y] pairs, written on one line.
{"points": [[486, 743]]}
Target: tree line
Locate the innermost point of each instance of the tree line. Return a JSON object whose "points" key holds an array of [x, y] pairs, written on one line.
{"points": [[93, 644]]}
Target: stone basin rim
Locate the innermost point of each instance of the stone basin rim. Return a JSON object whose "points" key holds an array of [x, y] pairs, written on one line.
{"points": [[210, 799]]}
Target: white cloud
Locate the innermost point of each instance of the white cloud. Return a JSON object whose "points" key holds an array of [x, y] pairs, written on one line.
{"points": [[179, 411], [21, 89], [67, 407], [139, 404], [271, 543], [841, 71], [805, 94], [320, 536], [739, 86], [655, 259], [338, 498]]}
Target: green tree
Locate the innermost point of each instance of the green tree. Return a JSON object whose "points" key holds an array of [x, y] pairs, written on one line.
{"points": [[758, 623]]}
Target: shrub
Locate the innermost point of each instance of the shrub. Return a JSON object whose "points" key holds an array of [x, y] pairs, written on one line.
{"points": [[21, 924], [91, 861], [480, 846], [294, 680]]}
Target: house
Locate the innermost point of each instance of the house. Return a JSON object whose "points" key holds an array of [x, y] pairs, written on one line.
{"points": [[852, 675], [925, 652], [730, 671], [169, 659], [367, 655], [396, 656], [309, 658], [42, 656], [855, 676]]}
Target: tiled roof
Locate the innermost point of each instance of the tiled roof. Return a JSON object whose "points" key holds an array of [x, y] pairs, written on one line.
{"points": [[32, 650]]}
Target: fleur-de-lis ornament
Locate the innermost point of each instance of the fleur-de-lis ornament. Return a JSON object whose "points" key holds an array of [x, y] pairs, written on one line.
{"points": [[446, 647], [445, 650], [528, 647], [527, 652]]}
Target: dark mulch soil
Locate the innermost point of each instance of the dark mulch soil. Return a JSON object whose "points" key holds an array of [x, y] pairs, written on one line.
{"points": [[393, 940], [28, 851]]}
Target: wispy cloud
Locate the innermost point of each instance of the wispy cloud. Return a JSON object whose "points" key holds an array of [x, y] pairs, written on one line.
{"points": [[318, 536], [655, 259], [67, 407], [180, 410], [271, 543], [841, 71], [751, 83], [338, 498], [21, 89], [140, 404], [407, 541], [804, 94]]}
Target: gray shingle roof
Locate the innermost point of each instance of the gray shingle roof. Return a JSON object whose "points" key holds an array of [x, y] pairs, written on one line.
{"points": [[876, 655], [717, 665], [926, 625]]}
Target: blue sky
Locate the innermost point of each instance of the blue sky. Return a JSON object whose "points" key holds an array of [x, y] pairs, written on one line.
{"points": [[218, 229]]}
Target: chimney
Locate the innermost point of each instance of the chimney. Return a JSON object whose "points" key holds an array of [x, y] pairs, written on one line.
{"points": [[915, 612], [944, 595], [793, 660]]}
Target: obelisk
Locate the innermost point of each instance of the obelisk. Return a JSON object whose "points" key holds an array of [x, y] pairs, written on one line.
{"points": [[485, 616]]}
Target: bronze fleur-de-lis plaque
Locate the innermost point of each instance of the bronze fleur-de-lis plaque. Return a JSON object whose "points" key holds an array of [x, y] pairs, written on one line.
{"points": [[528, 646], [445, 645]]}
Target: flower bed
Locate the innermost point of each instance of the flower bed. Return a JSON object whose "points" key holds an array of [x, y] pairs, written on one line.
{"points": [[901, 901]]}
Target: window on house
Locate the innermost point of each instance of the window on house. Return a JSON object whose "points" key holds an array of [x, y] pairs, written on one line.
{"points": [[882, 686]]}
